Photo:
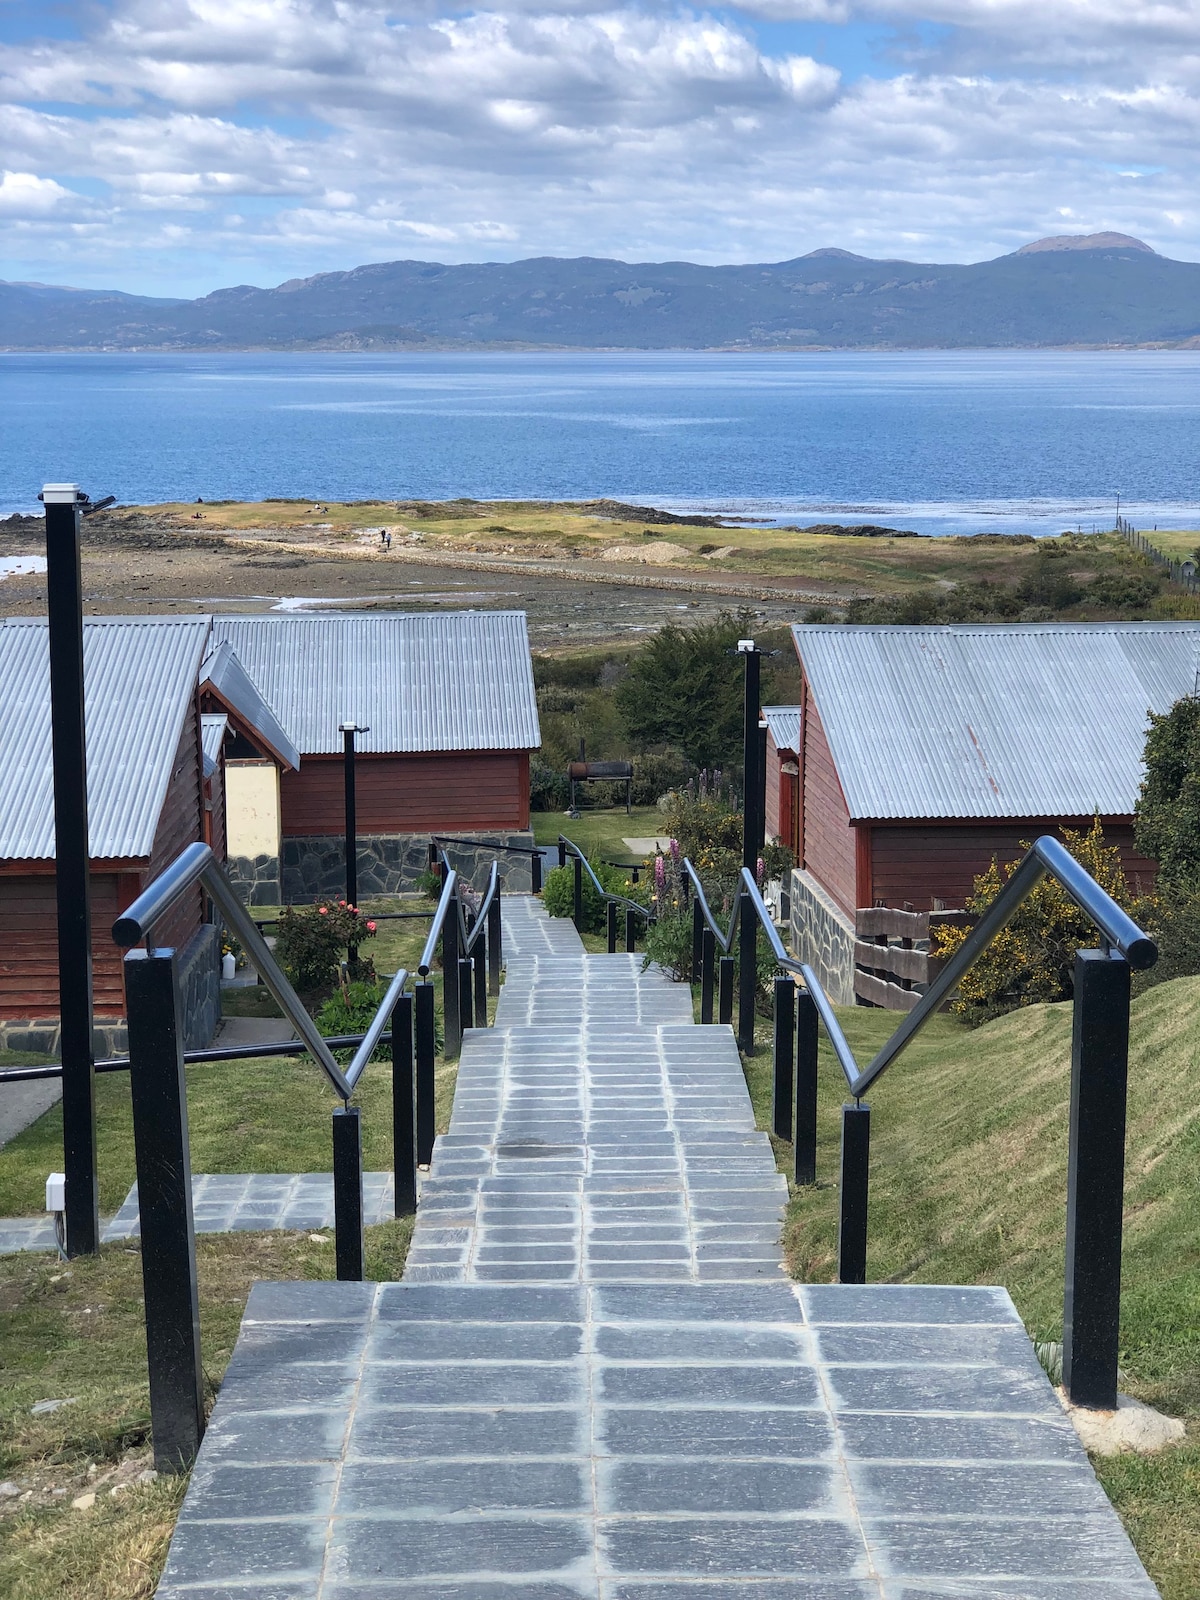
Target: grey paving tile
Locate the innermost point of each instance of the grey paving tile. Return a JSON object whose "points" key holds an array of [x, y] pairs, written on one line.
{"points": [[446, 1488], [867, 1437], [781, 1386], [905, 1303], [1064, 1547], [368, 1547], [794, 1435], [1024, 1489], [717, 1486], [474, 1341], [413, 1431], [727, 1547], [224, 1491], [475, 1384], [207, 1552]]}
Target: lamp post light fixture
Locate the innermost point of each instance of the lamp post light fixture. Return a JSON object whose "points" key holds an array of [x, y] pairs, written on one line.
{"points": [[348, 730]]}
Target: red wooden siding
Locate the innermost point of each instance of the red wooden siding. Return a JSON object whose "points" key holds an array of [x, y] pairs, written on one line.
{"points": [[450, 793], [180, 823], [828, 842], [29, 957], [214, 812], [921, 862]]}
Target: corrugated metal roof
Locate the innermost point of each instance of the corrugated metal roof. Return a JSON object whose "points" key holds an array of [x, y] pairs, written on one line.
{"points": [[139, 684], [784, 723], [451, 680], [212, 735], [225, 675], [1041, 720]]}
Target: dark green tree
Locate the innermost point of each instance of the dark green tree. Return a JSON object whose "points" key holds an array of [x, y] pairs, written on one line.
{"points": [[683, 689], [1167, 820]]}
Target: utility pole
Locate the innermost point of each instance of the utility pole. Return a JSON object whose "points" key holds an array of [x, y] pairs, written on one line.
{"points": [[72, 866]]}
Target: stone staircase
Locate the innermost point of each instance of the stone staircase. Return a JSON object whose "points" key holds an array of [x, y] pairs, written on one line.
{"points": [[596, 1383]]}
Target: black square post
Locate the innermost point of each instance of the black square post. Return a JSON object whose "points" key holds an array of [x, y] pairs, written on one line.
{"points": [[806, 1088], [1096, 1179], [164, 1175], [630, 930], [725, 989], [466, 997], [577, 909], [852, 1227], [426, 1035], [708, 961], [783, 1056], [404, 1125], [747, 974], [697, 935], [348, 1193], [451, 990], [495, 943], [610, 920], [479, 959], [72, 879]]}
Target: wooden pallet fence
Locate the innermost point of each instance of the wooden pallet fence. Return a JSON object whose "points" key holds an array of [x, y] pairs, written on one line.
{"points": [[892, 964]]}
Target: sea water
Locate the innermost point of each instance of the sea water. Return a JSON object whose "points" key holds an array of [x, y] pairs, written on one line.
{"points": [[940, 442]]}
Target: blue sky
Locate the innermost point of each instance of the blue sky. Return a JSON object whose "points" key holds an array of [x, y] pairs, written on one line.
{"points": [[177, 146]]}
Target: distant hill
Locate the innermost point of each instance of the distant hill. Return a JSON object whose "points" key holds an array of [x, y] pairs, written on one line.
{"points": [[1097, 289]]}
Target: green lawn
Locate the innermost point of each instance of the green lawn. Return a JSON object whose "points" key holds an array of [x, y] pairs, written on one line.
{"points": [[599, 832]]}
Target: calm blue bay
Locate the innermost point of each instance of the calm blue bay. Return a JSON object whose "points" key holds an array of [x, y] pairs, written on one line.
{"points": [[941, 442]]}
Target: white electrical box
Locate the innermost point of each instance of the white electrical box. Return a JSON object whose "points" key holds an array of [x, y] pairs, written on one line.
{"points": [[56, 1192]]}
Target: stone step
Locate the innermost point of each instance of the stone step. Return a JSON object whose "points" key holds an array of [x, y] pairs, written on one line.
{"points": [[641, 1442]]}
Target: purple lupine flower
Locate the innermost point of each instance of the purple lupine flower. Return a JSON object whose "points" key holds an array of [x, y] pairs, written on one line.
{"points": [[759, 871], [675, 851], [660, 874]]}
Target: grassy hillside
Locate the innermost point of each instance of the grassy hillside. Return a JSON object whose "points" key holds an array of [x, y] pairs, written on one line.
{"points": [[968, 1185]]}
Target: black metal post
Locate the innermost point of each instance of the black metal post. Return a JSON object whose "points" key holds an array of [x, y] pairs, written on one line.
{"points": [[536, 872], [611, 923], [805, 1150], [161, 1150], [747, 974], [479, 957], [72, 879], [760, 807], [1096, 1179], [404, 1124], [725, 989], [495, 943], [426, 1033], [697, 936], [466, 995], [451, 990], [348, 1193], [784, 1056], [750, 781], [562, 854], [349, 729], [630, 931], [708, 961], [852, 1226], [578, 895]]}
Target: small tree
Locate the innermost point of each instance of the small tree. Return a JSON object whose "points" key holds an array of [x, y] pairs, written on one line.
{"points": [[1032, 961], [312, 939], [1167, 818], [683, 689]]}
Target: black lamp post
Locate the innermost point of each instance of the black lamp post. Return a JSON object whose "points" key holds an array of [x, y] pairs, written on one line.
{"points": [[752, 821], [64, 590], [348, 731]]}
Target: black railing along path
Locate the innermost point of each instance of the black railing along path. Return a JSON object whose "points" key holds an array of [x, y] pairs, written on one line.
{"points": [[1099, 1079], [610, 901], [161, 1146]]}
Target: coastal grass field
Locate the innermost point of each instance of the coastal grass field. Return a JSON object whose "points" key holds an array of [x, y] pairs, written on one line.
{"points": [[613, 534]]}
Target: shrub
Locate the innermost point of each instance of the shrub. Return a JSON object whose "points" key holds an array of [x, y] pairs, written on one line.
{"points": [[548, 788], [1119, 588], [684, 689], [669, 945], [655, 775], [351, 1008], [1032, 961], [1167, 815], [558, 893], [312, 939]]}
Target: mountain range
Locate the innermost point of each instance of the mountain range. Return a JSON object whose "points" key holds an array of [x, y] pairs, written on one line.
{"points": [[1102, 289]]}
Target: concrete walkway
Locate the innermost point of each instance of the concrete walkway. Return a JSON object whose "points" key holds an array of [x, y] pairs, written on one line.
{"points": [[595, 1382]]}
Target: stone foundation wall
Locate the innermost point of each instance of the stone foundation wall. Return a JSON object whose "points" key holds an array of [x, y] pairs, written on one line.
{"points": [[393, 864], [822, 936], [199, 968], [257, 879]]}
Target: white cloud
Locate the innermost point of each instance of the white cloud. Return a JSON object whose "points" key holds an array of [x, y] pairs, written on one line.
{"points": [[223, 139]]}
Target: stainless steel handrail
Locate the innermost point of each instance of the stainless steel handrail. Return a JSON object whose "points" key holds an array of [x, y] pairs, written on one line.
{"points": [[381, 1020], [724, 940], [449, 888], [1046, 856], [197, 865], [470, 938], [605, 894]]}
